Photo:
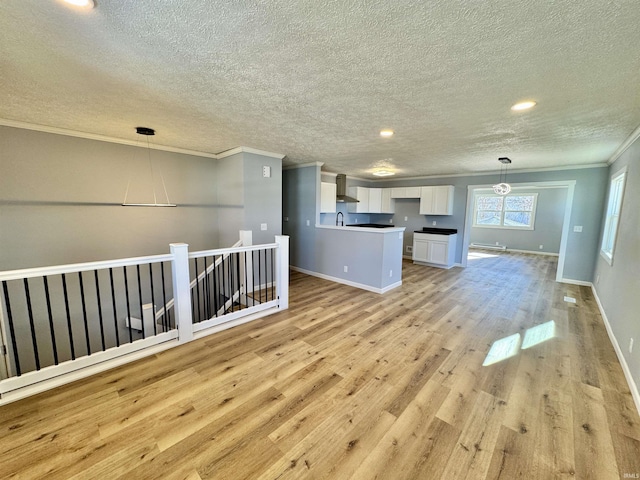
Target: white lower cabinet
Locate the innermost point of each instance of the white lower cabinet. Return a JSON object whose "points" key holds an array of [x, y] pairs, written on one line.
{"points": [[433, 249]]}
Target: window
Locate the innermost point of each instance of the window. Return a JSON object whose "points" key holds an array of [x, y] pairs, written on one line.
{"points": [[515, 211], [616, 191]]}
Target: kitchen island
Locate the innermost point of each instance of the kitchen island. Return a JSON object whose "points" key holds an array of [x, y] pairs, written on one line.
{"points": [[365, 257]]}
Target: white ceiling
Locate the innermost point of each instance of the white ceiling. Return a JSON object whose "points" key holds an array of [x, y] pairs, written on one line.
{"points": [[316, 80]]}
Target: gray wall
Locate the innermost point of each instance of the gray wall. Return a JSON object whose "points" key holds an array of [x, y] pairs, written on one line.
{"points": [[60, 200], [618, 285], [328, 251], [547, 225]]}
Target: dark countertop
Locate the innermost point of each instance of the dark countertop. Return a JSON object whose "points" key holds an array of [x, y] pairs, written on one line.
{"points": [[370, 225], [438, 231]]}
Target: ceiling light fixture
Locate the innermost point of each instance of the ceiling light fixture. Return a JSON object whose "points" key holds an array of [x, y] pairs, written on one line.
{"points": [[147, 132], [503, 187], [88, 4], [386, 133], [523, 105], [383, 173]]}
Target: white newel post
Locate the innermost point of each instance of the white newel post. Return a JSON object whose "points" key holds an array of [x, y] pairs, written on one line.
{"points": [[282, 270], [246, 237], [182, 291]]}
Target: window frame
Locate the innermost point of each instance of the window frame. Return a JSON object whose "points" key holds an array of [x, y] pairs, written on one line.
{"points": [[502, 226], [609, 232]]}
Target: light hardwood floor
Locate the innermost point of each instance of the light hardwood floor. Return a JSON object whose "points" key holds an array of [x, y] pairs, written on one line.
{"points": [[351, 384]]}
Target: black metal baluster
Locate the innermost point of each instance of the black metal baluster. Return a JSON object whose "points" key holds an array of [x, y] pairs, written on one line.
{"points": [[230, 280], [66, 307], [224, 289], [99, 301], [273, 275], [126, 290], [246, 280], [165, 319], [11, 329], [238, 279], [32, 326], [253, 277], [140, 302], [113, 302], [260, 276], [197, 288], [216, 293], [84, 314], [207, 292], [50, 315], [153, 300]]}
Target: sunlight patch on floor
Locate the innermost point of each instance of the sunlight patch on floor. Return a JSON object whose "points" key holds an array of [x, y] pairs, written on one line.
{"points": [[508, 347]]}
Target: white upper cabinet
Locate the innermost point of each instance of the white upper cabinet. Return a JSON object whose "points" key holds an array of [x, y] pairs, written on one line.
{"points": [[375, 200], [327, 197], [362, 195], [405, 192], [436, 200], [388, 204]]}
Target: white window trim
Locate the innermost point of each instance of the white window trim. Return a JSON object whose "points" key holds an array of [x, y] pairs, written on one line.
{"points": [[505, 227], [620, 175]]}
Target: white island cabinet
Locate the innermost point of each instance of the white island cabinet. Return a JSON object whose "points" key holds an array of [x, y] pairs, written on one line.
{"points": [[436, 250]]}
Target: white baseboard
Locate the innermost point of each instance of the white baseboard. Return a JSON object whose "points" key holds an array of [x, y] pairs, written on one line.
{"points": [[616, 346], [533, 252], [347, 282], [571, 281]]}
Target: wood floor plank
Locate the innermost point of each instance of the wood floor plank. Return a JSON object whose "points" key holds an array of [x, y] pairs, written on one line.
{"points": [[352, 384]]}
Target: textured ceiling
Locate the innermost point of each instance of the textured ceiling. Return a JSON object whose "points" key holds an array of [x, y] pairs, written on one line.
{"points": [[316, 80]]}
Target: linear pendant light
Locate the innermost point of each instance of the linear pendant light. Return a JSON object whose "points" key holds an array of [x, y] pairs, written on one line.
{"points": [[147, 132]]}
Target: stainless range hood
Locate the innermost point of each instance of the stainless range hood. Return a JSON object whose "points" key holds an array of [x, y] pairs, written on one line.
{"points": [[341, 190]]}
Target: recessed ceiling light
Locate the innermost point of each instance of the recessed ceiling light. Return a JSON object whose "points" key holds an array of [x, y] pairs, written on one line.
{"points": [[386, 133], [524, 105], [383, 173], [88, 4]]}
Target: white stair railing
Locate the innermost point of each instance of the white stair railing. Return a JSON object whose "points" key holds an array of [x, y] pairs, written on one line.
{"points": [[58, 324]]}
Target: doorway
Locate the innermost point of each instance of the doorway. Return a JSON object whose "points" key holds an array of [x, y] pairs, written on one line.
{"points": [[568, 184]]}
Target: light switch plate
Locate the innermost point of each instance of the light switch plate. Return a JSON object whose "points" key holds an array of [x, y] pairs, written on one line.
{"points": [[263, 226]]}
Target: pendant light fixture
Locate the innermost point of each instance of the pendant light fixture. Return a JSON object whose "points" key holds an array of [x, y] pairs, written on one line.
{"points": [[503, 187], [147, 132]]}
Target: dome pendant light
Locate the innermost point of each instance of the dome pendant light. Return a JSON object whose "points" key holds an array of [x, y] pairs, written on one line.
{"points": [[148, 132], [503, 187]]}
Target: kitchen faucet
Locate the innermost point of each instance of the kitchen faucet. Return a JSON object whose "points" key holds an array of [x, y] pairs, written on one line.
{"points": [[341, 217]]}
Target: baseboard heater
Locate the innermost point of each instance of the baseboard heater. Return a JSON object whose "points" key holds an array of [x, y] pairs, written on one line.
{"points": [[488, 246]]}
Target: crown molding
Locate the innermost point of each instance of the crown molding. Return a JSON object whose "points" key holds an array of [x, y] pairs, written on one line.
{"points": [[255, 151], [626, 144], [303, 165], [100, 138]]}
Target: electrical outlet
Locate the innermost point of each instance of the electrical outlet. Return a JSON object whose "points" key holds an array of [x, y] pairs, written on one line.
{"points": [[346, 269], [263, 226], [308, 223], [406, 218], [391, 220], [497, 243], [409, 248], [390, 273], [631, 345], [433, 223], [577, 228], [541, 247]]}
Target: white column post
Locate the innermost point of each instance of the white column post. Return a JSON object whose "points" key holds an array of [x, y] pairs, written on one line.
{"points": [[182, 291], [246, 237], [282, 271]]}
